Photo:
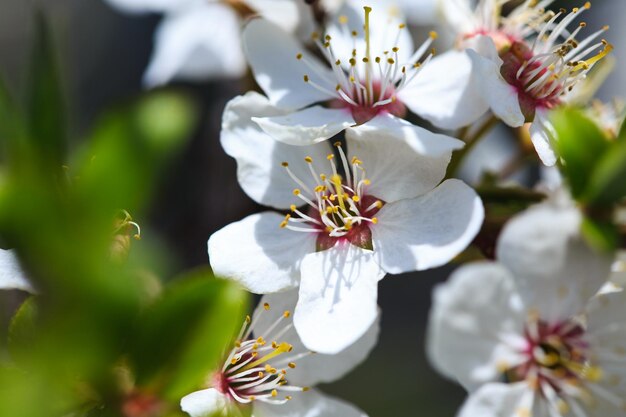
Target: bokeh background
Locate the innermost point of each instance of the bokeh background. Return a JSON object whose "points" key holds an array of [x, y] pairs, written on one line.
{"points": [[103, 56]]}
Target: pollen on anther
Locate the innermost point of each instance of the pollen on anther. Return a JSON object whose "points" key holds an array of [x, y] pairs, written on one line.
{"points": [[286, 314], [375, 220], [306, 78], [292, 365], [308, 159], [299, 56], [285, 164], [433, 35], [296, 192], [330, 156], [274, 393], [266, 306], [288, 397]]}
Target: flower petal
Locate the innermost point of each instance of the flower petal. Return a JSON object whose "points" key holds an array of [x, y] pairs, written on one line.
{"points": [[259, 255], [313, 369], [306, 127], [337, 302], [259, 157], [312, 403], [401, 160], [199, 43], [272, 55], [471, 315], [541, 131], [12, 277], [150, 6], [206, 403], [501, 400], [427, 231], [444, 92], [555, 271], [502, 97], [284, 13]]}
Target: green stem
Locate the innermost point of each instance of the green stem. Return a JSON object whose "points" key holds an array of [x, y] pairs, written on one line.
{"points": [[470, 143]]}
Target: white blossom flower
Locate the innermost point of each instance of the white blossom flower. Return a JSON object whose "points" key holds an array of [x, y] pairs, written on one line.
{"points": [[529, 335], [371, 68], [418, 12], [200, 39], [270, 372], [12, 277], [522, 65], [373, 208]]}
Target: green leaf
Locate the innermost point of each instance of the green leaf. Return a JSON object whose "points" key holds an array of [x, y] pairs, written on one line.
{"points": [[608, 181], [581, 143], [183, 336], [601, 235], [23, 330], [46, 105]]}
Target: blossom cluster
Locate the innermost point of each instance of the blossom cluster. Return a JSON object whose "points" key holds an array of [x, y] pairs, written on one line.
{"points": [[357, 190]]}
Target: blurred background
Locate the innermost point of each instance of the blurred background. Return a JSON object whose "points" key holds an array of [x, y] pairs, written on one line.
{"points": [[103, 56]]}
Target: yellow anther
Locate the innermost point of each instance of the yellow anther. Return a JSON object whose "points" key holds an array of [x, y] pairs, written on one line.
{"points": [[328, 38], [293, 207], [338, 87], [274, 345], [299, 56], [288, 397], [285, 164], [297, 192], [352, 61], [379, 204], [355, 198], [260, 340], [323, 177], [234, 361], [274, 393], [260, 374], [356, 161], [315, 36], [308, 159], [337, 144], [305, 389], [375, 220], [377, 60], [401, 26], [283, 224], [330, 156], [292, 365], [343, 19], [433, 35], [287, 314], [306, 78], [266, 306], [391, 61], [395, 49], [588, 5], [355, 33], [366, 182], [248, 319], [252, 398], [365, 60]]}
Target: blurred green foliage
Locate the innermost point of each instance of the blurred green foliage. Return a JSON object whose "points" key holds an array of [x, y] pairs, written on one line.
{"points": [[101, 337], [594, 166]]}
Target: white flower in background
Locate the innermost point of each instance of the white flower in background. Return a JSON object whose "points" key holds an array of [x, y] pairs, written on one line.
{"points": [[12, 277], [529, 335], [522, 65], [356, 213], [270, 372], [371, 69], [418, 12], [200, 39]]}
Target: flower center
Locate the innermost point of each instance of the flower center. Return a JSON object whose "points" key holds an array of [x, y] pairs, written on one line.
{"points": [[257, 369], [366, 83], [557, 361], [546, 70], [339, 208]]}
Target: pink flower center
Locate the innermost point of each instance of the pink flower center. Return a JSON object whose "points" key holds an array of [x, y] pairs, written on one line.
{"points": [[339, 209], [557, 356]]}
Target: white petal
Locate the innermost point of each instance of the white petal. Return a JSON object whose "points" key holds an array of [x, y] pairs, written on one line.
{"points": [[458, 15], [337, 303], [258, 254], [308, 126], [284, 13], [12, 277], [308, 404], [259, 157], [420, 12], [606, 334], [541, 131], [502, 97], [427, 231], [501, 400], [199, 43], [472, 314], [206, 403], [318, 368], [444, 92], [555, 271], [150, 6], [272, 55], [401, 160], [385, 19]]}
